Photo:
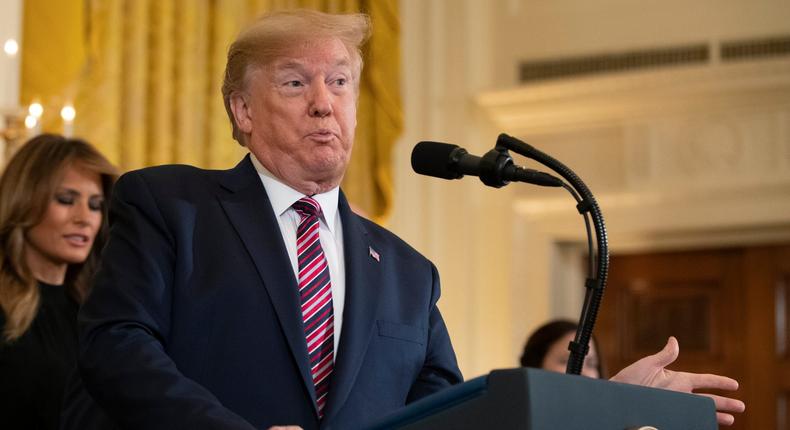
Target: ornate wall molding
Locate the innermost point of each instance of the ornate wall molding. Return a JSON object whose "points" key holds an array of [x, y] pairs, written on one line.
{"points": [[693, 150]]}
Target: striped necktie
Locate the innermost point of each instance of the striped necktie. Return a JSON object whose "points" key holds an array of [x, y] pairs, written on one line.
{"points": [[315, 290]]}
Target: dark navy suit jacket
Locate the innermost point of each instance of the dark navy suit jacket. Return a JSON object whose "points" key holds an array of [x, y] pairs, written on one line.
{"points": [[194, 321]]}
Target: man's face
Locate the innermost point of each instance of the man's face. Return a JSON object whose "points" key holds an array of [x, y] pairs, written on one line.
{"points": [[300, 113]]}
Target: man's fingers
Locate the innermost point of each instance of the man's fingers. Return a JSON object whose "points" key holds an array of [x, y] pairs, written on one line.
{"points": [[725, 407], [725, 419], [727, 404], [709, 381]]}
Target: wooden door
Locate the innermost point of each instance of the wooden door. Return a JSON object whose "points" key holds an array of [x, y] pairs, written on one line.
{"points": [[727, 307], [767, 379]]}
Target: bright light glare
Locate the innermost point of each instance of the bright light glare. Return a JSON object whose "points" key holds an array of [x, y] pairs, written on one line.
{"points": [[36, 109], [68, 113], [11, 47], [30, 121]]}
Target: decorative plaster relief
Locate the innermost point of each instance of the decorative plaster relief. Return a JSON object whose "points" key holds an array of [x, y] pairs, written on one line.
{"points": [[708, 150], [711, 148]]}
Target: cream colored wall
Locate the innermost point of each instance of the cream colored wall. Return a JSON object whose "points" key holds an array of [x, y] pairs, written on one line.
{"points": [[10, 28], [447, 52], [536, 29], [692, 157]]}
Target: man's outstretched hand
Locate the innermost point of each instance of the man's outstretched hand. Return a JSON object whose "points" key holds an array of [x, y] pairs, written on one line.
{"points": [[651, 372]]}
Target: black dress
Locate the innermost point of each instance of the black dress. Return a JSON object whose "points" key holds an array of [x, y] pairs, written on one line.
{"points": [[34, 367]]}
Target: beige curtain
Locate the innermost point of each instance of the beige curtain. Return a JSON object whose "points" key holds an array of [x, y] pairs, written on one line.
{"points": [[145, 77]]}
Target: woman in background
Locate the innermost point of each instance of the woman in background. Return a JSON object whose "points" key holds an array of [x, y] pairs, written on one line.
{"points": [[547, 348], [53, 225]]}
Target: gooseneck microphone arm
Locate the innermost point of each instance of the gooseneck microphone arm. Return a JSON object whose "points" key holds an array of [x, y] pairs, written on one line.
{"points": [[596, 281], [496, 169]]}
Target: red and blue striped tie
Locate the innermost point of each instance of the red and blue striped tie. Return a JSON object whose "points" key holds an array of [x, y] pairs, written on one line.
{"points": [[315, 290]]}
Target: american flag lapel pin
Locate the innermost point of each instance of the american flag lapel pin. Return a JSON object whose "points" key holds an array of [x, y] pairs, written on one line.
{"points": [[374, 254]]}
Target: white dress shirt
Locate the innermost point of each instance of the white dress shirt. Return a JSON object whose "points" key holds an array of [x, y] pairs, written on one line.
{"points": [[282, 197]]}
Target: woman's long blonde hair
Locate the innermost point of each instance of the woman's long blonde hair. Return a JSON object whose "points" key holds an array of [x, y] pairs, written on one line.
{"points": [[27, 186]]}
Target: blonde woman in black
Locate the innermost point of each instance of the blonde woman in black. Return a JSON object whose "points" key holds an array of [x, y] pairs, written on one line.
{"points": [[53, 224]]}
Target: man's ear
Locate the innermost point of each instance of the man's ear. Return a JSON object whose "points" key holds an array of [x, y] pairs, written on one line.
{"points": [[241, 112]]}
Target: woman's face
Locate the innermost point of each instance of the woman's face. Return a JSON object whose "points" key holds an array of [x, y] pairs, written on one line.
{"points": [[66, 233], [556, 359]]}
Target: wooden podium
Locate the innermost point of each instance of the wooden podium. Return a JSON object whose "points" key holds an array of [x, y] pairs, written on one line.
{"points": [[531, 399]]}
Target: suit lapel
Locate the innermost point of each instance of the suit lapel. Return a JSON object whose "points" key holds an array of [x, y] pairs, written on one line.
{"points": [[363, 278], [250, 211]]}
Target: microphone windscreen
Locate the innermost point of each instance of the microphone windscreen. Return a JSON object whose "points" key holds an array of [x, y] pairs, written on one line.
{"points": [[433, 159]]}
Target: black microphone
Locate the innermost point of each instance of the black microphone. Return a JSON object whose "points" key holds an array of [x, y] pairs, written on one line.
{"points": [[495, 168]]}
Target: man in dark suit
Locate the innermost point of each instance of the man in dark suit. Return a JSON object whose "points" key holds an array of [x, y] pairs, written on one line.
{"points": [[194, 320], [255, 297]]}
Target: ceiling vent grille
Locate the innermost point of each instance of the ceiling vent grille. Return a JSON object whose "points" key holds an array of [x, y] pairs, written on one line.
{"points": [[755, 48], [616, 62], [728, 51]]}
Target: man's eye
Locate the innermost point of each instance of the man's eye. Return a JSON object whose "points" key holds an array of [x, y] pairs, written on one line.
{"points": [[341, 82], [294, 84]]}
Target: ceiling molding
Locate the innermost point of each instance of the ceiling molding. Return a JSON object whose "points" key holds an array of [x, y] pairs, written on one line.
{"points": [[611, 100]]}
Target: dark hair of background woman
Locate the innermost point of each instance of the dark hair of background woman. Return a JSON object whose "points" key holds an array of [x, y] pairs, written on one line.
{"points": [[544, 337]]}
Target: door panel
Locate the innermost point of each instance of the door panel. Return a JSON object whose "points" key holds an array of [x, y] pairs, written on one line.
{"points": [[729, 309]]}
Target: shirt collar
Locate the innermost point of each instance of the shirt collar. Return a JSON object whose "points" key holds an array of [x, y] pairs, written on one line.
{"points": [[282, 196]]}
